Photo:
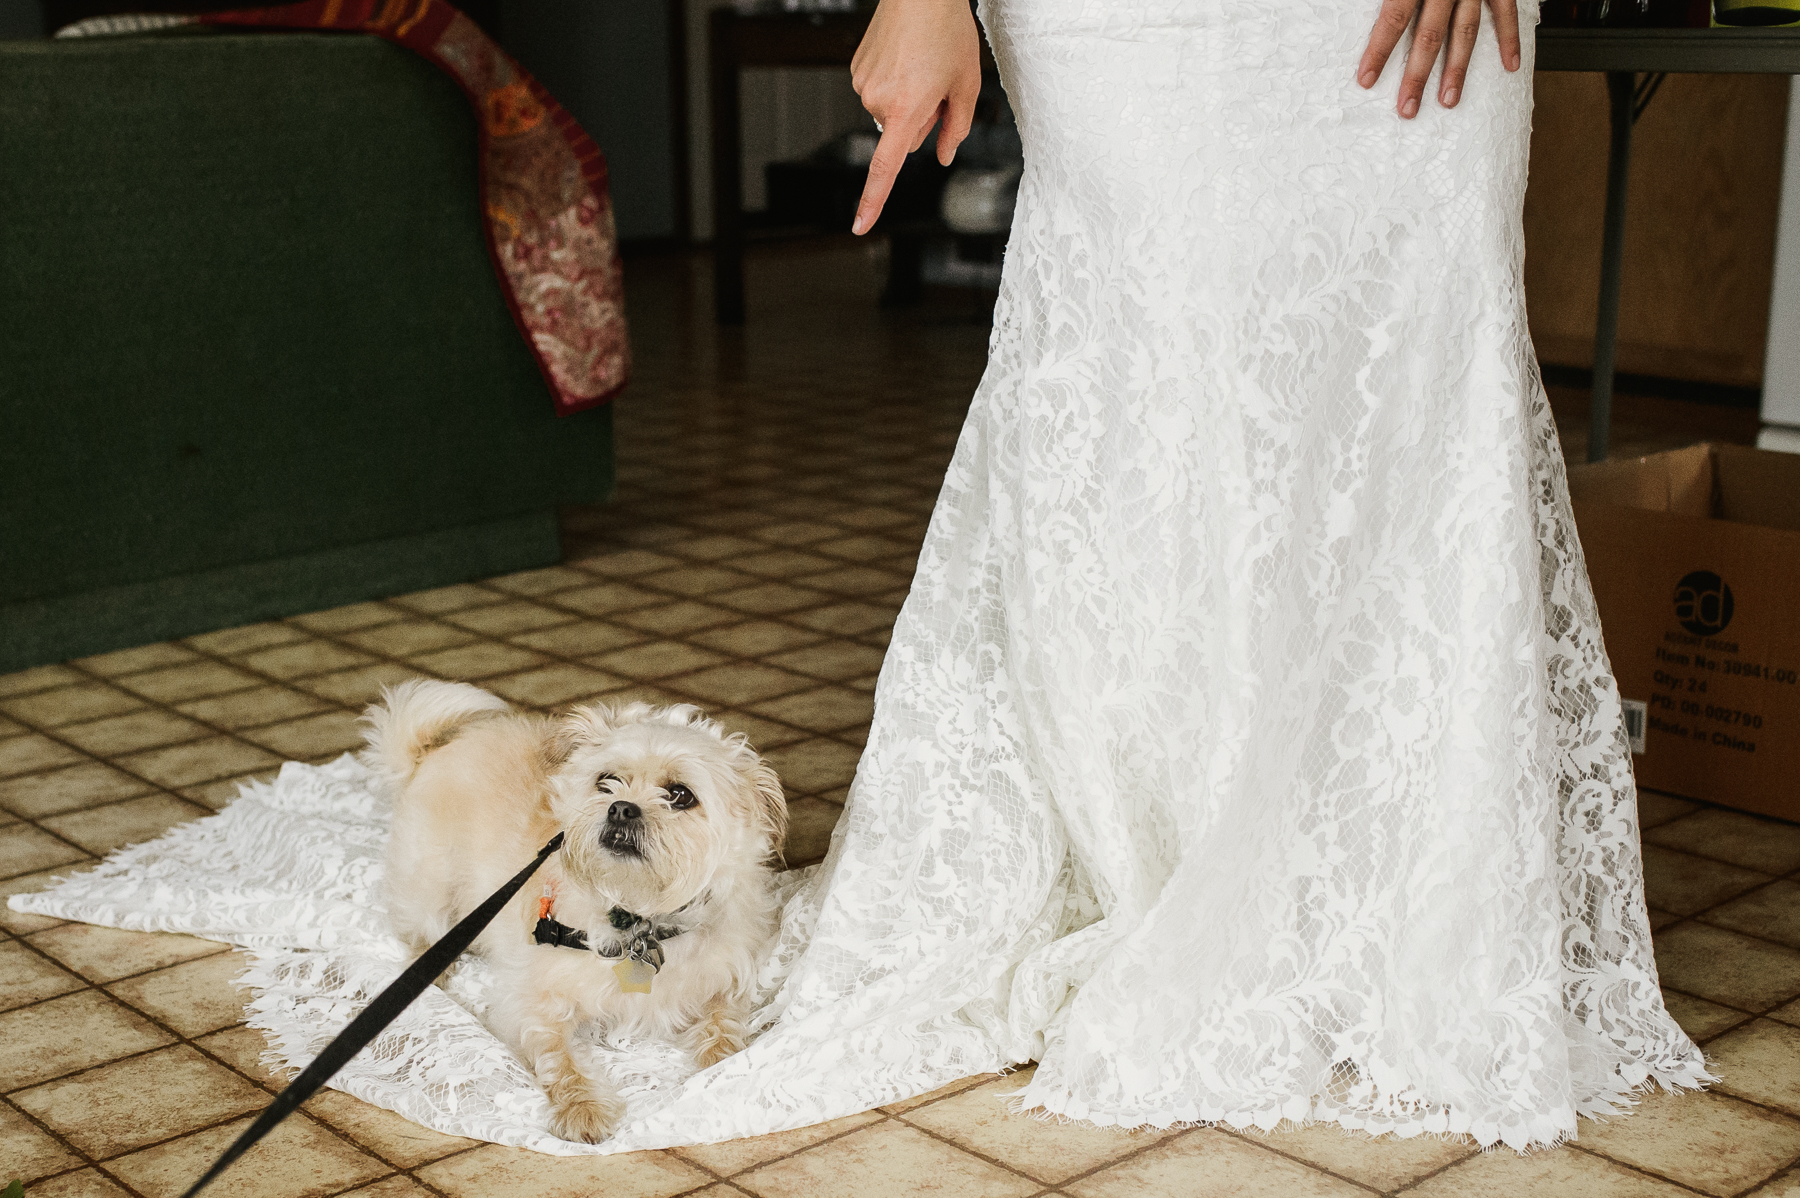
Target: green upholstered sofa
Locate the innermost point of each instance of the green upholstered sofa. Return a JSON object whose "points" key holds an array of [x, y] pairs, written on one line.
{"points": [[254, 360]]}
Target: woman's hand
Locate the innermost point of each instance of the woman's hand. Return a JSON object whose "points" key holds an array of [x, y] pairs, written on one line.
{"points": [[1455, 22], [919, 64]]}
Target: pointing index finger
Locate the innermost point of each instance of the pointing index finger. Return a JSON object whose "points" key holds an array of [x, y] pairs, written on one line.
{"points": [[884, 167]]}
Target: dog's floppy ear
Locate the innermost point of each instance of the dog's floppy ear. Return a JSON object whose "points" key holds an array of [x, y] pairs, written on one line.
{"points": [[771, 804], [582, 726]]}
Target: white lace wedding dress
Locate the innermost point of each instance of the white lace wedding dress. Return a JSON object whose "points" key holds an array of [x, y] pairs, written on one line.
{"points": [[1246, 749]]}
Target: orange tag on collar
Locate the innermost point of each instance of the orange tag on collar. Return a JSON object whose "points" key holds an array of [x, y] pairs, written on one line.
{"points": [[544, 907]]}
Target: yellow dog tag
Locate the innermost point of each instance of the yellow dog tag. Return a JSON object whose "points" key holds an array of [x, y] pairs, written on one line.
{"points": [[634, 976]]}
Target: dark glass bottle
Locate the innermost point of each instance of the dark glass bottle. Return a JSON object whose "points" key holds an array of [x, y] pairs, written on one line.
{"points": [[1635, 14], [1758, 12], [1574, 12], [1674, 14]]}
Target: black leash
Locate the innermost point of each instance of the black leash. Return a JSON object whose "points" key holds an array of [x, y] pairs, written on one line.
{"points": [[376, 1016]]}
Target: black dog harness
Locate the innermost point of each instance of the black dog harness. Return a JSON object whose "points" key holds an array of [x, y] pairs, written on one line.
{"points": [[638, 948]]}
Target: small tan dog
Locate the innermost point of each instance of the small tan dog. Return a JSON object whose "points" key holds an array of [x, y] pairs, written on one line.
{"points": [[651, 918]]}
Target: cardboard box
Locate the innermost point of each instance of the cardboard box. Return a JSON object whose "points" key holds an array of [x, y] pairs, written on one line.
{"points": [[1695, 559]]}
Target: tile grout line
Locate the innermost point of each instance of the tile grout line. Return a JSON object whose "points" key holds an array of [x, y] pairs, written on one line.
{"points": [[1697, 916], [90, 984], [325, 1125], [1245, 1137], [1768, 875], [1050, 1186], [87, 1162], [1429, 1174], [1651, 1173], [1765, 1181], [730, 1177]]}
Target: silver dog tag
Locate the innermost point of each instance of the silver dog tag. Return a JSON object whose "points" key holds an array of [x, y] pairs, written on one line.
{"points": [[634, 976]]}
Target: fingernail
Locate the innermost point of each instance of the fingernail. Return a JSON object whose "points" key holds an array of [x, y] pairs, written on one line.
{"points": [[1367, 78], [1451, 95], [856, 226], [1410, 109]]}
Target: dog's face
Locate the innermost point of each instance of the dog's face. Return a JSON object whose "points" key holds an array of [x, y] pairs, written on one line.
{"points": [[656, 802]]}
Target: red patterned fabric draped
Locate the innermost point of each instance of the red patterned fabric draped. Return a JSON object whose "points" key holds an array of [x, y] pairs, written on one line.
{"points": [[543, 189]]}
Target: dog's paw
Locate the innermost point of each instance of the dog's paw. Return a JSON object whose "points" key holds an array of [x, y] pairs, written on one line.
{"points": [[717, 1036], [586, 1120], [715, 1049]]}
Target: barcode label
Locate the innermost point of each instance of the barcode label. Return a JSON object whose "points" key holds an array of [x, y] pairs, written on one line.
{"points": [[1637, 714]]}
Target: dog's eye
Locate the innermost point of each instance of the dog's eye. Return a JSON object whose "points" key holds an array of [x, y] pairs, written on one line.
{"points": [[681, 798], [605, 781]]}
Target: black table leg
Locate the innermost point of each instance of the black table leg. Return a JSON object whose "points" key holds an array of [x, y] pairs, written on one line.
{"points": [[727, 169], [906, 271], [1621, 87]]}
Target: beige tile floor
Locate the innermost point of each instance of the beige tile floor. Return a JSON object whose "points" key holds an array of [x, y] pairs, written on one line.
{"points": [[774, 486]]}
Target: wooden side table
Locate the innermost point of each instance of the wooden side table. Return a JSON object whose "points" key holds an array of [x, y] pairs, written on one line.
{"points": [[1635, 61], [735, 41]]}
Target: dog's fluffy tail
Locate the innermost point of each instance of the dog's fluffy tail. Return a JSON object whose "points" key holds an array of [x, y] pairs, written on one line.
{"points": [[414, 718]]}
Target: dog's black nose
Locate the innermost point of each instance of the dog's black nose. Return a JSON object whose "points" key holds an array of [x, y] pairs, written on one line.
{"points": [[622, 812]]}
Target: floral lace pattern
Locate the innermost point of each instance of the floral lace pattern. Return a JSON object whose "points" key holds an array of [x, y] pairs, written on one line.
{"points": [[1246, 750]]}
